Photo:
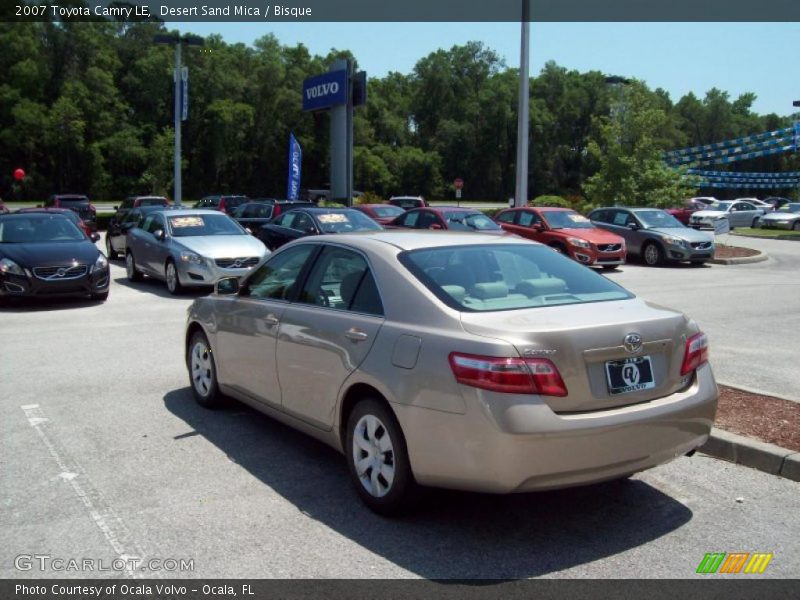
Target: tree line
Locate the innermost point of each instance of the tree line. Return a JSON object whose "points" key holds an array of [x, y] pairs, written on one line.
{"points": [[87, 107]]}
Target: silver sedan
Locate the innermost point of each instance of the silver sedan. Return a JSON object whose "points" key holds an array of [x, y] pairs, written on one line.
{"points": [[458, 360], [787, 217], [190, 248]]}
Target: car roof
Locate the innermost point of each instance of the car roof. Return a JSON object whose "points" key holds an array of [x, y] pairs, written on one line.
{"points": [[179, 212], [404, 239], [549, 208]]}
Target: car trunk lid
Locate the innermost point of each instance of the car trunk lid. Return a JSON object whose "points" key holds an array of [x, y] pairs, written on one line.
{"points": [[586, 343]]}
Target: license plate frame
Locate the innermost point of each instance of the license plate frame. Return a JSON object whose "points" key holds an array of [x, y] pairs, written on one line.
{"points": [[622, 380]]}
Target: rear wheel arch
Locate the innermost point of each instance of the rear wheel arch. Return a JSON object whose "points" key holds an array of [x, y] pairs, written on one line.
{"points": [[354, 394]]}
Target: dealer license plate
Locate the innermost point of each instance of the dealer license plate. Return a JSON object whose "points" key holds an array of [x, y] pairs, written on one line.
{"points": [[629, 375]]}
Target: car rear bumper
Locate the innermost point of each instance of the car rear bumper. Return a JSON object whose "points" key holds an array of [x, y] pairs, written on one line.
{"points": [[94, 282], [510, 443]]}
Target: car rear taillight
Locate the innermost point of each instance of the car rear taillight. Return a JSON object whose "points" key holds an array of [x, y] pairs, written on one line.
{"points": [[696, 353], [508, 375]]}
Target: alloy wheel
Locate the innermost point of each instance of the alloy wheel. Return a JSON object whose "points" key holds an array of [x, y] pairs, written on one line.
{"points": [[172, 278]]}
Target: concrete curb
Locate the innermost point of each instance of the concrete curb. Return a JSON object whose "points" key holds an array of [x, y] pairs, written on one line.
{"points": [[746, 451], [742, 260], [795, 238]]}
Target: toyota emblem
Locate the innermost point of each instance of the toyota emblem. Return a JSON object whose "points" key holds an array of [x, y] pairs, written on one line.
{"points": [[61, 272], [632, 342], [237, 264]]}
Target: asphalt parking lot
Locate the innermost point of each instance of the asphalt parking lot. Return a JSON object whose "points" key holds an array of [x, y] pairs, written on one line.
{"points": [[104, 454]]}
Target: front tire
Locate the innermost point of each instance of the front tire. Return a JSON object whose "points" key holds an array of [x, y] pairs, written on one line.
{"points": [[377, 459], [171, 277], [796, 226], [653, 254], [110, 252], [203, 372], [130, 268]]}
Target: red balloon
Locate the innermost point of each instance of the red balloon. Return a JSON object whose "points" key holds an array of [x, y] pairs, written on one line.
{"points": [[19, 174]]}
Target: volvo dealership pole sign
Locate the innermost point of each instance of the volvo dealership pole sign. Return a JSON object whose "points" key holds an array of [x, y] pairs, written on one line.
{"points": [[325, 90]]}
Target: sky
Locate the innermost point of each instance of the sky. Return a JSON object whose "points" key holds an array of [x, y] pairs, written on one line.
{"points": [[678, 57]]}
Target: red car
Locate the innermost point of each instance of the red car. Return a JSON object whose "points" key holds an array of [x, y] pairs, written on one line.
{"points": [[568, 232], [684, 213], [446, 217], [70, 214], [382, 213], [77, 202]]}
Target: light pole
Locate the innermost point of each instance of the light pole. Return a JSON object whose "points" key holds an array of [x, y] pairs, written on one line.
{"points": [[180, 77], [521, 188]]}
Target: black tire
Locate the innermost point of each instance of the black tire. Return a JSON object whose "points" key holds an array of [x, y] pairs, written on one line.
{"points": [[754, 223], [403, 490], [130, 267], [652, 254], [796, 226], [203, 372], [698, 263], [100, 296], [110, 252], [174, 286]]}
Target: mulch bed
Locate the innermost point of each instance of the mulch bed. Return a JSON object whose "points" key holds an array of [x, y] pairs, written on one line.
{"points": [[763, 417], [723, 251]]}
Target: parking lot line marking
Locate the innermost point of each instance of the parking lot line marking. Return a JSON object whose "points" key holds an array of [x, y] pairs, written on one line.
{"points": [[105, 518]]}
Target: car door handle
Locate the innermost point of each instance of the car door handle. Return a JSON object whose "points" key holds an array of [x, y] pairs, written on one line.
{"points": [[356, 335], [271, 320]]}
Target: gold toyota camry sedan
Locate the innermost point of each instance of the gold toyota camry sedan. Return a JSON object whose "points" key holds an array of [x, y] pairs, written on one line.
{"points": [[457, 360]]}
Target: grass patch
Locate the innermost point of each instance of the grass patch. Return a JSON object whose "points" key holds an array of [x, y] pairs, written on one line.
{"points": [[766, 233]]}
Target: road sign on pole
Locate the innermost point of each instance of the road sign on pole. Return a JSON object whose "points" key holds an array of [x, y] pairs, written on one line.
{"points": [[458, 183]]}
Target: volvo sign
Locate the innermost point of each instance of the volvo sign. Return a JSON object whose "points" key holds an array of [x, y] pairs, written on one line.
{"points": [[326, 90]]}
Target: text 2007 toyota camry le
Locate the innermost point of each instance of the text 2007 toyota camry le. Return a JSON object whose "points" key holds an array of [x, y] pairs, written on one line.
{"points": [[465, 361]]}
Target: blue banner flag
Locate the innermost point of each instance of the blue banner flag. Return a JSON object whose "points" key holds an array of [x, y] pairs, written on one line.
{"points": [[295, 169]]}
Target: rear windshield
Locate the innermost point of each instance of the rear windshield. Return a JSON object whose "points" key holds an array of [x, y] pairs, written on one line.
{"points": [[232, 202], [196, 225], [483, 278], [38, 229]]}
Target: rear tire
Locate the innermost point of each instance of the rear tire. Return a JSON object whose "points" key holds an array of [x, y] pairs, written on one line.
{"points": [[203, 372], [130, 268], [377, 459], [652, 254], [796, 226]]}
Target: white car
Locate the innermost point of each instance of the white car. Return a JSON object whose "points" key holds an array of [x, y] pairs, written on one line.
{"points": [[765, 206], [738, 213]]}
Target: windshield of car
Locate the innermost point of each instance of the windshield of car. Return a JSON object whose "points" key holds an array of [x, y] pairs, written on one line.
{"points": [[470, 221], [30, 229], [204, 224], [346, 221], [791, 207], [387, 211], [566, 219], [657, 218], [73, 201], [482, 278], [232, 202], [153, 202]]}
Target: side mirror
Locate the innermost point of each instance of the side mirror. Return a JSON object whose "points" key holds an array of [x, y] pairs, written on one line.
{"points": [[159, 235], [95, 237], [435, 226], [116, 208], [633, 226], [537, 227], [227, 286], [248, 230]]}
